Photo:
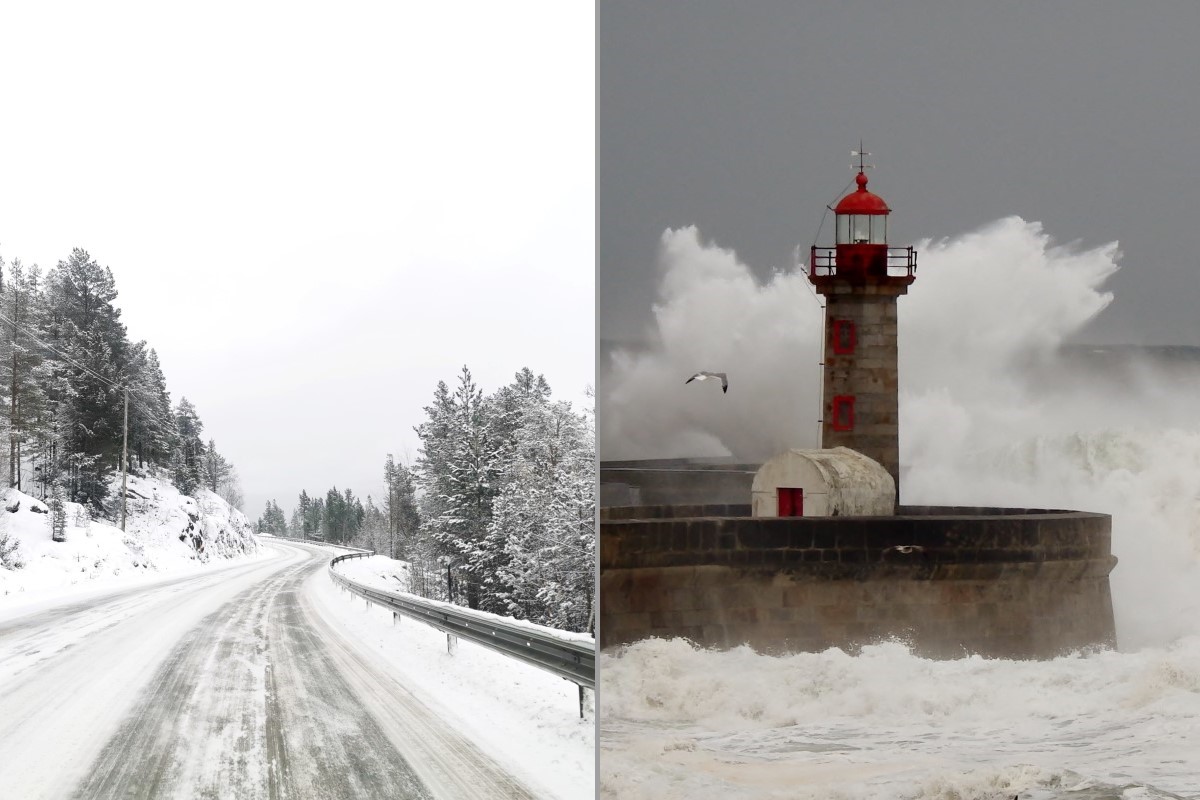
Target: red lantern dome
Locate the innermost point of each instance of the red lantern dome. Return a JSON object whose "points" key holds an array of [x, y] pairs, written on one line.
{"points": [[862, 201]]}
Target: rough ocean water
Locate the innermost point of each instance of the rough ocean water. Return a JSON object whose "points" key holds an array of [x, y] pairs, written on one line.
{"points": [[997, 408]]}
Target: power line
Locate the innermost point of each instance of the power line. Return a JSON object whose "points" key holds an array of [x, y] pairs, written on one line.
{"points": [[152, 415], [59, 353]]}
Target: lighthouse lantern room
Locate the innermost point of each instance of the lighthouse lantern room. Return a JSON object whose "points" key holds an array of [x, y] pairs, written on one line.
{"points": [[860, 278]]}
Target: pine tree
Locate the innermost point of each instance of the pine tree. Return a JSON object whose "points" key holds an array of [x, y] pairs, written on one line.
{"points": [[400, 508], [373, 532], [331, 523], [295, 525], [545, 517], [21, 357], [214, 468], [457, 472], [186, 471], [303, 526], [316, 518], [272, 520], [152, 432], [81, 322]]}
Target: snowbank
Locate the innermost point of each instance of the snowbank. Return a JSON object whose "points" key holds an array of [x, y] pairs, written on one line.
{"points": [[165, 531]]}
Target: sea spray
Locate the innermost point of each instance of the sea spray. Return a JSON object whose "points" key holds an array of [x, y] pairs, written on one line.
{"points": [[983, 305], [712, 314]]}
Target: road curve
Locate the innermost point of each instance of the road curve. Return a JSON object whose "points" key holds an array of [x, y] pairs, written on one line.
{"points": [[226, 684]]}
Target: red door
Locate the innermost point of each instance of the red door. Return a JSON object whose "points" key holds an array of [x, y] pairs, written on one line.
{"points": [[791, 502]]}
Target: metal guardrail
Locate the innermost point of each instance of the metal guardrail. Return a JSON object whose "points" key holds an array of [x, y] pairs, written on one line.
{"points": [[575, 661], [321, 542]]}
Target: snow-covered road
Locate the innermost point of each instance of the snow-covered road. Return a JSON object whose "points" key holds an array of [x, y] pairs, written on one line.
{"points": [[230, 683]]}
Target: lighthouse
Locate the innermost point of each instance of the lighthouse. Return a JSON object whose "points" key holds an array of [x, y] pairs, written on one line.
{"points": [[861, 278]]}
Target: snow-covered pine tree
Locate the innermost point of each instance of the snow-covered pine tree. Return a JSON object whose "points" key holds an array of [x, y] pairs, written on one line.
{"points": [[272, 520], [152, 433], [295, 526], [508, 411], [301, 517], [214, 468], [81, 322], [332, 523], [544, 517], [457, 471], [186, 468], [400, 507], [337, 518], [373, 530], [26, 407], [316, 518], [83, 319], [432, 474]]}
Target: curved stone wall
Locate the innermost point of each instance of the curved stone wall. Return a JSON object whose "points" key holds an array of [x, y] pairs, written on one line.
{"points": [[1014, 583]]}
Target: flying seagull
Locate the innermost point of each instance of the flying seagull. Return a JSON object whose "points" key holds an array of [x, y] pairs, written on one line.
{"points": [[703, 376], [904, 549]]}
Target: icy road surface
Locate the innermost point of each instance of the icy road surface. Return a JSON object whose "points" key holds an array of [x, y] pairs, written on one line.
{"points": [[220, 685]]}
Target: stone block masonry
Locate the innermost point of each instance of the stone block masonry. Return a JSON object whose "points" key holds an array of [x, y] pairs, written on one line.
{"points": [[865, 369], [1011, 583]]}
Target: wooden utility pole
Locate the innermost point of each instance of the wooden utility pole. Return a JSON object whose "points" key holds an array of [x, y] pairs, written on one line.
{"points": [[391, 482], [14, 459], [124, 457]]}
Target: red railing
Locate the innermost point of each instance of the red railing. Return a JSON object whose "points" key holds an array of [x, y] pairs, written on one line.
{"points": [[901, 262]]}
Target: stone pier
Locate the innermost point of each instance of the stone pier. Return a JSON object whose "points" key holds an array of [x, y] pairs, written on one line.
{"points": [[998, 582]]}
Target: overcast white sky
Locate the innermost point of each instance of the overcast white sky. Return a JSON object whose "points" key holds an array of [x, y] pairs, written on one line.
{"points": [[314, 212]]}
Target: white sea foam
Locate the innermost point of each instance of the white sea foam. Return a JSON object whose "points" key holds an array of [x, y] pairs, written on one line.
{"points": [[682, 722], [989, 415]]}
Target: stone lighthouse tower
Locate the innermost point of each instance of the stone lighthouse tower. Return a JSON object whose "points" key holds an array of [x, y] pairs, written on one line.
{"points": [[860, 279]]}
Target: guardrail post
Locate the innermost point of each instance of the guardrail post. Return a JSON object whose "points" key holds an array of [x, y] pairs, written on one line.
{"points": [[451, 643], [582, 696], [395, 618]]}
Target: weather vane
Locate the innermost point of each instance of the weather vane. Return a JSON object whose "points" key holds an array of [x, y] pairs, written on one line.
{"points": [[862, 154]]}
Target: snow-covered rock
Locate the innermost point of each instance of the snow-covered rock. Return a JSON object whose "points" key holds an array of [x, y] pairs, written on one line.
{"points": [[164, 531], [206, 524]]}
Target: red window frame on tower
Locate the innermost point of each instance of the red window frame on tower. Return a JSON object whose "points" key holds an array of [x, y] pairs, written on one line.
{"points": [[842, 412], [844, 336]]}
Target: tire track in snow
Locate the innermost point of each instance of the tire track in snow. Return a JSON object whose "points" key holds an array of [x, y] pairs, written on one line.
{"points": [[29, 639], [247, 706], [449, 763], [56, 713]]}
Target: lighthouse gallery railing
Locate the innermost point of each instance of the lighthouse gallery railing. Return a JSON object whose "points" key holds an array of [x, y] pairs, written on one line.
{"points": [[901, 262]]}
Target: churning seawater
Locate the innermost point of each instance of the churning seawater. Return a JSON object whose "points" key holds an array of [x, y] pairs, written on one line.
{"points": [[993, 412]]}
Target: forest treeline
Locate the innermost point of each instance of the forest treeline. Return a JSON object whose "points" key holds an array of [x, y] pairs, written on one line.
{"points": [[65, 364], [496, 513]]}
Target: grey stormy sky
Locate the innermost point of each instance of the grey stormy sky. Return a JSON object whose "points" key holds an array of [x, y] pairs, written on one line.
{"points": [[739, 118], [314, 212]]}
